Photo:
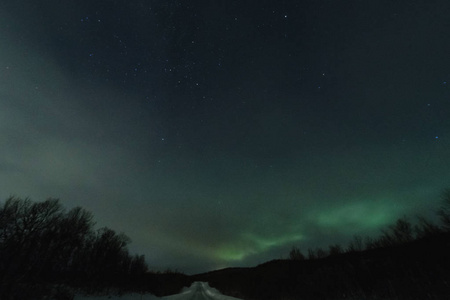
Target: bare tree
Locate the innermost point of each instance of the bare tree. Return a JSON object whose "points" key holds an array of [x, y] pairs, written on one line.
{"points": [[425, 228], [335, 249], [296, 254], [311, 254], [399, 233]]}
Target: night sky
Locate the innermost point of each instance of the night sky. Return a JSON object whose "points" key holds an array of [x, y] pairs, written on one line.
{"points": [[222, 133]]}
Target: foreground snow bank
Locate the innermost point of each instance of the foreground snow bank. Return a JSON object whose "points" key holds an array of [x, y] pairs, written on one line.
{"points": [[198, 290], [124, 297]]}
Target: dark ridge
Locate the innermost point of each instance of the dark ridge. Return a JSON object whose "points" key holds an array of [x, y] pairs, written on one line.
{"points": [[47, 252]]}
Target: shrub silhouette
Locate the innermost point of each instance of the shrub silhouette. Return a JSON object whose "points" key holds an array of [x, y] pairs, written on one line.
{"points": [[335, 249], [356, 244], [444, 210]]}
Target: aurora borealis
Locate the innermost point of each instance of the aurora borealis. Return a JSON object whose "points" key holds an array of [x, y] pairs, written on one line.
{"points": [[222, 133]]}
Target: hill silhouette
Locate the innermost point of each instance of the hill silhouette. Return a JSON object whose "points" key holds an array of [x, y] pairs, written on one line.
{"points": [[415, 270]]}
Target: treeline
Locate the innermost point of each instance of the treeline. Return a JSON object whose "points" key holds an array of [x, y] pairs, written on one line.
{"points": [[401, 232], [47, 251], [406, 262]]}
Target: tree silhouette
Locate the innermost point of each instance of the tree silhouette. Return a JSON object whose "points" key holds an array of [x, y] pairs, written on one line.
{"points": [[27, 236], [42, 245], [296, 254]]}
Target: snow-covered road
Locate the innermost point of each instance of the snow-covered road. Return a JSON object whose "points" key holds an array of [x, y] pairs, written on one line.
{"points": [[197, 291]]}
